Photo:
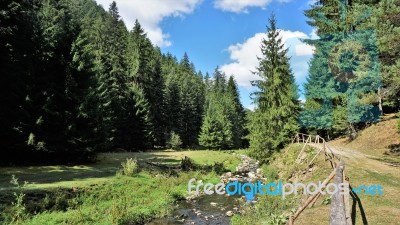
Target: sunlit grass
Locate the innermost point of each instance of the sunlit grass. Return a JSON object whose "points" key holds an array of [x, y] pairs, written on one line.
{"points": [[93, 193]]}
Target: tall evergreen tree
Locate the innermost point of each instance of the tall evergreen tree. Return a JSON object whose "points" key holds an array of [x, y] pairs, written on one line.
{"points": [[191, 102], [343, 71], [274, 121], [145, 69], [236, 112]]}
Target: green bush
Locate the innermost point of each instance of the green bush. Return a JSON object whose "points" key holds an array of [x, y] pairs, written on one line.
{"points": [[270, 172], [15, 214], [129, 167], [174, 141]]}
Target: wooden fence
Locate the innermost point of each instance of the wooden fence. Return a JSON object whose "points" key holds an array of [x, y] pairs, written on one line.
{"points": [[340, 213]]}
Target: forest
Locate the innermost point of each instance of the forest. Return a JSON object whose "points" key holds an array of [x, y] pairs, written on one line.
{"points": [[100, 126], [78, 82]]}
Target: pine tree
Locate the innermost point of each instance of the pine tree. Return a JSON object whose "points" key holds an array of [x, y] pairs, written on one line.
{"points": [[343, 71], [18, 38], [236, 112], [216, 131], [274, 121], [145, 69], [191, 102]]}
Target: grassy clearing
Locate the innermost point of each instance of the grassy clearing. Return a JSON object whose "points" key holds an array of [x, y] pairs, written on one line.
{"points": [[42, 177], [94, 194]]}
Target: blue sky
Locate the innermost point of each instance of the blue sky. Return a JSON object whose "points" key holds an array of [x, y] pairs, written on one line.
{"points": [[224, 33]]}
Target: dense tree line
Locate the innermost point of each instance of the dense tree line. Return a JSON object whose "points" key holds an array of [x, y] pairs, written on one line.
{"points": [[224, 120], [353, 76], [77, 82]]}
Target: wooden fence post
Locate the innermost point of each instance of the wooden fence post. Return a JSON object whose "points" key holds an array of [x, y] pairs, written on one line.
{"points": [[347, 201], [338, 215]]}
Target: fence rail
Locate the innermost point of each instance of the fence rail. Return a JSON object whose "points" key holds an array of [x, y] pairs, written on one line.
{"points": [[340, 207]]}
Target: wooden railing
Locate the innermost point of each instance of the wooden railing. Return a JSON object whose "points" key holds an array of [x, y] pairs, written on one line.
{"points": [[316, 142], [340, 213]]}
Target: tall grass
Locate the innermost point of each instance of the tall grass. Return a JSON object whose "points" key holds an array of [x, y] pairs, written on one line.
{"points": [[121, 200]]}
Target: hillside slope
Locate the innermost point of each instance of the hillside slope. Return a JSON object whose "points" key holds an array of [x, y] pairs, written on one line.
{"points": [[370, 160]]}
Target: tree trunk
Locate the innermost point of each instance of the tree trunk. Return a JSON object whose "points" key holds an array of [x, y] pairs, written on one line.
{"points": [[380, 101]]}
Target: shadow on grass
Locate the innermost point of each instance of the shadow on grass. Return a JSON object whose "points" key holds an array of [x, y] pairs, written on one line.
{"points": [[394, 149], [184, 165], [357, 201], [107, 165]]}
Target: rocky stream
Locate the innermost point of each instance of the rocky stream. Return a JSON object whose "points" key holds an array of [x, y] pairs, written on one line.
{"points": [[215, 209]]}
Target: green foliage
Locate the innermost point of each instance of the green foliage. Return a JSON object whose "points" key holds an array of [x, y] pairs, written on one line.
{"points": [[327, 200], [223, 123], [78, 83], [183, 99], [345, 74], [277, 219], [274, 121], [129, 167], [271, 210], [17, 212], [270, 172], [174, 141]]}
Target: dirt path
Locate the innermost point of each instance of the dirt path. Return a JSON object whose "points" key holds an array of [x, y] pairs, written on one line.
{"points": [[363, 169], [360, 160]]}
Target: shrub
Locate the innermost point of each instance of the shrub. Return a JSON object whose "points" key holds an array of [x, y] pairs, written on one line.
{"points": [[174, 141], [270, 172], [129, 167], [16, 214]]}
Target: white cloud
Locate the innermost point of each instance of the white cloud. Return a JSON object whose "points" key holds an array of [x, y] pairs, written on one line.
{"points": [[150, 13], [239, 6], [311, 2], [304, 49], [251, 107], [314, 34], [244, 57]]}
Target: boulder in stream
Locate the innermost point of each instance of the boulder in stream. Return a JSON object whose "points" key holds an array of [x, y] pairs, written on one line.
{"points": [[229, 213]]}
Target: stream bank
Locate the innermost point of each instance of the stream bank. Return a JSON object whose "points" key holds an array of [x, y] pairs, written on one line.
{"points": [[214, 209]]}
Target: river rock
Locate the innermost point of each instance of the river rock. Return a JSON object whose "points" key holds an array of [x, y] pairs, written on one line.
{"points": [[229, 213], [213, 204], [251, 175], [233, 179]]}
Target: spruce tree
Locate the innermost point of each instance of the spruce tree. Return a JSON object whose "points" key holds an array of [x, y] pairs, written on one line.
{"points": [[343, 72], [145, 69], [236, 112], [274, 121]]}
